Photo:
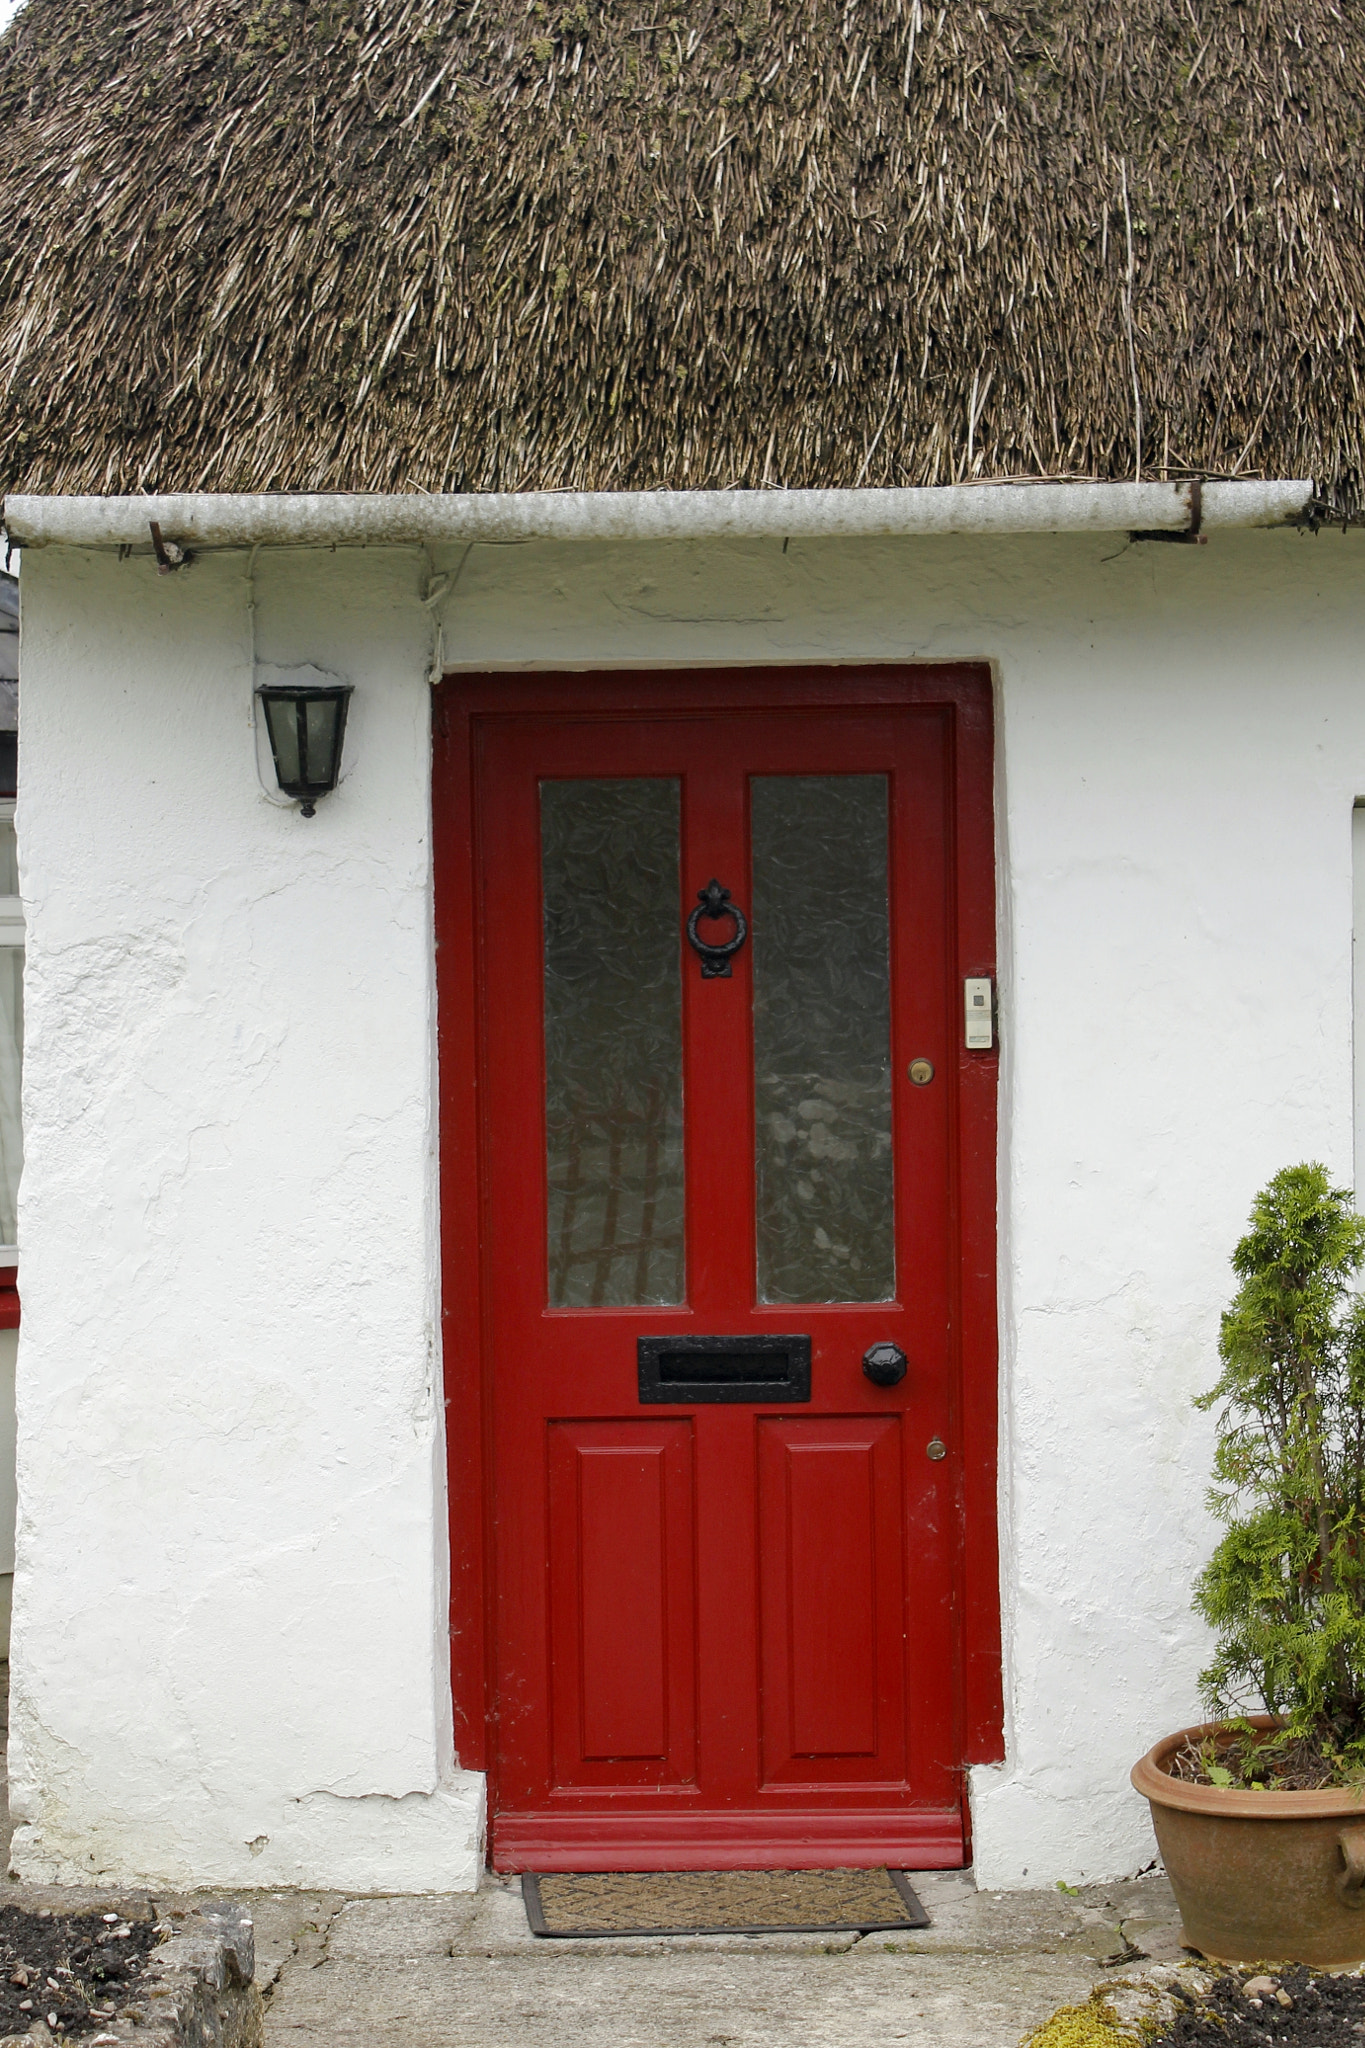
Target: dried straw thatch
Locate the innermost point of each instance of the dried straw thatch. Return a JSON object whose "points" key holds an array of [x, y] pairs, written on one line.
{"points": [[504, 244]]}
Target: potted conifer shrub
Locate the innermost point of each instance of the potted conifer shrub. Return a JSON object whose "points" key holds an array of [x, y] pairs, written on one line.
{"points": [[1260, 1816]]}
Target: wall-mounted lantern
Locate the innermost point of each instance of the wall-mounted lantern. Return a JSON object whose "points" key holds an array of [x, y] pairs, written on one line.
{"points": [[306, 727]]}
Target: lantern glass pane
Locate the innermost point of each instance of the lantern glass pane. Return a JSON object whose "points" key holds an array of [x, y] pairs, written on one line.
{"points": [[320, 725], [281, 716]]}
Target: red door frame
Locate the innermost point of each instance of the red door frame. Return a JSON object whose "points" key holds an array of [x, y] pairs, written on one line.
{"points": [[965, 691]]}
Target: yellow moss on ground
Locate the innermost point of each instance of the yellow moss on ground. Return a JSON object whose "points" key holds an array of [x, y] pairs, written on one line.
{"points": [[1092, 2025]]}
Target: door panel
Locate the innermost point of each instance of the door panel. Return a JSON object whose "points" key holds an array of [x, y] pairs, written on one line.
{"points": [[722, 1631], [833, 1630], [623, 1654]]}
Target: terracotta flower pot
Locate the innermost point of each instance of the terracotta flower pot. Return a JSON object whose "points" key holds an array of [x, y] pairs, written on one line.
{"points": [[1260, 1876]]}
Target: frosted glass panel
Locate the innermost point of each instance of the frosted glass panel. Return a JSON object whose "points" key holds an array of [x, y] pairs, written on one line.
{"points": [[822, 1038], [613, 1042]]}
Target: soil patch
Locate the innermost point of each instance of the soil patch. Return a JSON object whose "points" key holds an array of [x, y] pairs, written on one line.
{"points": [[69, 1972], [1275, 1763], [1323, 2012]]}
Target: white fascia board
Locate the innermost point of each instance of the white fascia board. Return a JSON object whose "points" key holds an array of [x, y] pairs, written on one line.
{"points": [[360, 519]]}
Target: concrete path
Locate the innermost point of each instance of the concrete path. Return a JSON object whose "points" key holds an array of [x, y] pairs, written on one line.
{"points": [[466, 1972]]}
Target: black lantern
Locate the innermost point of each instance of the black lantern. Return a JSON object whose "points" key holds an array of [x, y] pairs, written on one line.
{"points": [[306, 728]]}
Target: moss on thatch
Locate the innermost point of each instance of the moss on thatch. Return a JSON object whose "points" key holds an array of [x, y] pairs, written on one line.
{"points": [[515, 244]]}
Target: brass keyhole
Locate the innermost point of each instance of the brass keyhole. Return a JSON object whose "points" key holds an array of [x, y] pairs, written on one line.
{"points": [[921, 1072], [936, 1448]]}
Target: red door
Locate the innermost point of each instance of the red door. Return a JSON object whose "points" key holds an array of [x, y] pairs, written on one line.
{"points": [[722, 1047]]}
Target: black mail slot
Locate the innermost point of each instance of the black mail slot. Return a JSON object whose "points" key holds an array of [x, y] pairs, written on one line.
{"points": [[724, 1368]]}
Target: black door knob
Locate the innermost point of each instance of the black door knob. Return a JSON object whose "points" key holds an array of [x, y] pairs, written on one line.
{"points": [[884, 1364]]}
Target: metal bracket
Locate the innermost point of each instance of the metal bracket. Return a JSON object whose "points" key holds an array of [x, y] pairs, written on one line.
{"points": [[1185, 536]]}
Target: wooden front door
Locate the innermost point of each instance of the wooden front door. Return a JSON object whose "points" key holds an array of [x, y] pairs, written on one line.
{"points": [[719, 998]]}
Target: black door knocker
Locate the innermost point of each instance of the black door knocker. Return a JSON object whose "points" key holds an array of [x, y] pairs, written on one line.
{"points": [[713, 901]]}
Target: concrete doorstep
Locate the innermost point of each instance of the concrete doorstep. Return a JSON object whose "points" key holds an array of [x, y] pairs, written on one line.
{"points": [[466, 1972]]}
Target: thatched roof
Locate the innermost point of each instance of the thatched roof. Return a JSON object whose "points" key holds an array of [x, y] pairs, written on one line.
{"points": [[508, 244]]}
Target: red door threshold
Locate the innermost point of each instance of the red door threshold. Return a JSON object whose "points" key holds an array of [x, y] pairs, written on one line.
{"points": [[927, 1840]]}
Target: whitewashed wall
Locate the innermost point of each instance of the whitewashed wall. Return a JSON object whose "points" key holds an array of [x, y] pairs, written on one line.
{"points": [[230, 1640], [229, 1629]]}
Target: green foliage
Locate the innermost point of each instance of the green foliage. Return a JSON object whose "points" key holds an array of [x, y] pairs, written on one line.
{"points": [[1285, 1589]]}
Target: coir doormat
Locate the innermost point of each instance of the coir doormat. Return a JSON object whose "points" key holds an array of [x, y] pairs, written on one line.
{"points": [[720, 1902]]}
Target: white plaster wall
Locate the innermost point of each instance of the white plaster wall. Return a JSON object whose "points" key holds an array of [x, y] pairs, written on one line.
{"points": [[229, 1594], [231, 1647]]}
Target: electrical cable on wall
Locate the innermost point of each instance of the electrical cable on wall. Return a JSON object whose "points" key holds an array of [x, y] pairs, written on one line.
{"points": [[439, 588]]}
